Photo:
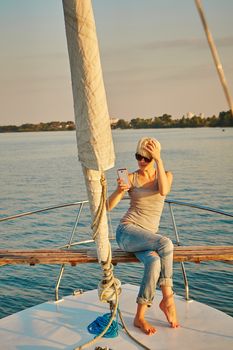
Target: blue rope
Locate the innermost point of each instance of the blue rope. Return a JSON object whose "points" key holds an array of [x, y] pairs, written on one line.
{"points": [[97, 326]]}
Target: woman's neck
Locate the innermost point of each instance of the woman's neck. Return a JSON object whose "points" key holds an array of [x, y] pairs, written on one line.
{"points": [[148, 173]]}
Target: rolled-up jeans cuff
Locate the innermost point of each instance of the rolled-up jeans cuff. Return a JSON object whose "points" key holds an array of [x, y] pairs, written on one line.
{"points": [[168, 282], [144, 301]]}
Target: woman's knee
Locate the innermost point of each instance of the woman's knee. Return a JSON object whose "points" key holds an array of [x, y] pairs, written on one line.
{"points": [[166, 245]]}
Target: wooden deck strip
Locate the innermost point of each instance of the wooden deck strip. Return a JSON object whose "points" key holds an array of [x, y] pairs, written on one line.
{"points": [[80, 256]]}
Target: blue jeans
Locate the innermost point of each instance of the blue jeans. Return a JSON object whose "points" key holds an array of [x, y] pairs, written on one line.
{"points": [[157, 268]]}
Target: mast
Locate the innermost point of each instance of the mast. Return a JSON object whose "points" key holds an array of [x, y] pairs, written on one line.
{"points": [[94, 139]]}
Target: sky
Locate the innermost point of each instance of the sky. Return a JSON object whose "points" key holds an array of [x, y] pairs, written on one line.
{"points": [[154, 55]]}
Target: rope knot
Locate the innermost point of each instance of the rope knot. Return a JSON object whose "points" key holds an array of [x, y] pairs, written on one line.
{"points": [[110, 287], [103, 181]]}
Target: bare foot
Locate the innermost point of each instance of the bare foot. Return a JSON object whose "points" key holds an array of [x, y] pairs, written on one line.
{"points": [[167, 305], [145, 326]]}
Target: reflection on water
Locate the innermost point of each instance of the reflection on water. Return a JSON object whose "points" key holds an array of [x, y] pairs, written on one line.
{"points": [[41, 169]]}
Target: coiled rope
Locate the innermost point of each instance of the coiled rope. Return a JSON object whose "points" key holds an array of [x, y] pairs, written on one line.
{"points": [[99, 336], [100, 323]]}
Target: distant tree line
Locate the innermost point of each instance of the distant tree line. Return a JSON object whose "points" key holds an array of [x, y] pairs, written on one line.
{"points": [[51, 126], [224, 119]]}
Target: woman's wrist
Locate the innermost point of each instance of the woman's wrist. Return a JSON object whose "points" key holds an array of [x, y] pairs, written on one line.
{"points": [[119, 190], [158, 160]]}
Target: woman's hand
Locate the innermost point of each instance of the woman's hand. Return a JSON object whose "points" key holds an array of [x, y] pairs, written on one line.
{"points": [[153, 148], [117, 195], [121, 186]]}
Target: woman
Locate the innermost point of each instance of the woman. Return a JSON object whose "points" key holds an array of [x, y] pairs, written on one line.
{"points": [[137, 231]]}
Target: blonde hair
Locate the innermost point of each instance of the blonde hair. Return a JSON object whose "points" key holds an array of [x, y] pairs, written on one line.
{"points": [[142, 143]]}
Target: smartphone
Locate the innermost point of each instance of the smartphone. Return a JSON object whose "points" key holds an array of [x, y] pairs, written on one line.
{"points": [[123, 175]]}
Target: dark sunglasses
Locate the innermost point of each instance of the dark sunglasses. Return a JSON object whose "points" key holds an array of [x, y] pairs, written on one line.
{"points": [[139, 157]]}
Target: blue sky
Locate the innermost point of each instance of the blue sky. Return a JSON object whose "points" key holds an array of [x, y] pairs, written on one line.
{"points": [[154, 54]]}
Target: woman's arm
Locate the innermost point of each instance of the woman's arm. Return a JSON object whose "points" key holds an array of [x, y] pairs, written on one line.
{"points": [[117, 195], [164, 177]]}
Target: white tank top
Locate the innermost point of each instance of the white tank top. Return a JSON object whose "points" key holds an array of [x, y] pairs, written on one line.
{"points": [[146, 205]]}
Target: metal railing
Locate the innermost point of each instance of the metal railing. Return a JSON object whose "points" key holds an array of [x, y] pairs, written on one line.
{"points": [[81, 204], [190, 205]]}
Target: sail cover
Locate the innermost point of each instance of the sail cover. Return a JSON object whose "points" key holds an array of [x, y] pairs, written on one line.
{"points": [[94, 139]]}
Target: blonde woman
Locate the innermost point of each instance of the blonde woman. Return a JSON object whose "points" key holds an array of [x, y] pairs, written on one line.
{"points": [[138, 230]]}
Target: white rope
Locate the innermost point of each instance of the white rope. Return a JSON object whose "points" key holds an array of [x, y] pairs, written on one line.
{"points": [[100, 210], [109, 288], [109, 283], [106, 328], [129, 334], [215, 55]]}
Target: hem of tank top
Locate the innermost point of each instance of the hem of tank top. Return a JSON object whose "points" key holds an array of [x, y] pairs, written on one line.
{"points": [[133, 223]]}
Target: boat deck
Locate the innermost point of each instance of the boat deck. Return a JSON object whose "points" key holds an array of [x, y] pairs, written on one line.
{"points": [[63, 325]]}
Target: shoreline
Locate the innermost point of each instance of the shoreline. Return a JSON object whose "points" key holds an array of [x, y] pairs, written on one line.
{"points": [[142, 128]]}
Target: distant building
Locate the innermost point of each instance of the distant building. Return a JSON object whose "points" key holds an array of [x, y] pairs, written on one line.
{"points": [[189, 114], [113, 121]]}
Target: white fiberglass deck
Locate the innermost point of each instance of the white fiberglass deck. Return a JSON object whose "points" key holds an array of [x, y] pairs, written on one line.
{"points": [[63, 325]]}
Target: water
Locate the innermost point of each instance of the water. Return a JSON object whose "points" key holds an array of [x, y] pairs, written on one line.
{"points": [[41, 169]]}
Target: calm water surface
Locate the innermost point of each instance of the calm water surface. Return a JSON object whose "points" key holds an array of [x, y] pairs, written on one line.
{"points": [[41, 169]]}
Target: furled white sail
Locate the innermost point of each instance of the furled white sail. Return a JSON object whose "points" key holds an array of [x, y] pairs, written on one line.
{"points": [[94, 139], [95, 147]]}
